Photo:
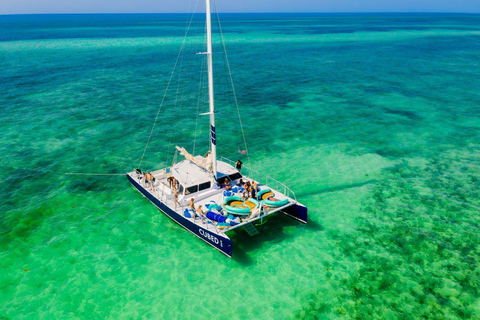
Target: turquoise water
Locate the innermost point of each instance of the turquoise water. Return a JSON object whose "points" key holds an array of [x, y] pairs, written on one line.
{"points": [[373, 120]]}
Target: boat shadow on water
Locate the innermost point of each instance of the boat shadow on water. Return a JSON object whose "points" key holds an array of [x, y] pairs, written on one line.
{"points": [[279, 229]]}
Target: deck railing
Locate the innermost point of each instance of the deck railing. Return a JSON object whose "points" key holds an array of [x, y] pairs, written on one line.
{"points": [[264, 179]]}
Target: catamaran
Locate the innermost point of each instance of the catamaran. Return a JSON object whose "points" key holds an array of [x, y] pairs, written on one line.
{"points": [[213, 197]]}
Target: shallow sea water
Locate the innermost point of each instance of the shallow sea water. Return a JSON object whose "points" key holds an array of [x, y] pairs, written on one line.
{"points": [[373, 120]]}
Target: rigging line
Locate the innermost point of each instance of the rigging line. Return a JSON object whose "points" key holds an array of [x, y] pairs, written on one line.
{"points": [[168, 85], [174, 127], [231, 83], [187, 76], [179, 102], [185, 68]]}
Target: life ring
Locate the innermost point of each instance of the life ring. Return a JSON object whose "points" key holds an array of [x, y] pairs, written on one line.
{"points": [[237, 206], [275, 202], [252, 203], [267, 197], [262, 192]]}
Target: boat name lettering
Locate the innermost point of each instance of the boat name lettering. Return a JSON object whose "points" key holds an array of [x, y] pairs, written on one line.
{"points": [[209, 236]]}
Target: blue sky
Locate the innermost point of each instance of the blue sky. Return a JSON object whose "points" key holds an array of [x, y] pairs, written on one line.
{"points": [[169, 6]]}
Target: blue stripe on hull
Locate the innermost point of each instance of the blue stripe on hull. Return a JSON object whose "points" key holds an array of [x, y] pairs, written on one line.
{"points": [[224, 244]]}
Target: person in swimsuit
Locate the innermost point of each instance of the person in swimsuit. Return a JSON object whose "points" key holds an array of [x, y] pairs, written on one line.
{"points": [[227, 185], [191, 204], [200, 212], [150, 180], [246, 194], [175, 198], [145, 180], [254, 189], [238, 165]]}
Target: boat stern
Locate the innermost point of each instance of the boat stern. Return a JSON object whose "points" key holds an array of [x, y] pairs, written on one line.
{"points": [[297, 211]]}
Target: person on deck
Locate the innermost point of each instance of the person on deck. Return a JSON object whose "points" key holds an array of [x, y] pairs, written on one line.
{"points": [[171, 180], [191, 204], [151, 179], [227, 185], [145, 180], [175, 198], [254, 189], [246, 194], [200, 212], [238, 165]]}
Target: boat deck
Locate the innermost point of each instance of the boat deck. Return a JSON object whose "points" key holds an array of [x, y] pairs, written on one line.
{"points": [[161, 190]]}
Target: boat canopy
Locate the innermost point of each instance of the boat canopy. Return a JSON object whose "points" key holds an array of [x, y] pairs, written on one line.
{"points": [[188, 173], [224, 170]]}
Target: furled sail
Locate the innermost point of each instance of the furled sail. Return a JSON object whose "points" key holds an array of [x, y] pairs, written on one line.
{"points": [[207, 162], [204, 162], [184, 153]]}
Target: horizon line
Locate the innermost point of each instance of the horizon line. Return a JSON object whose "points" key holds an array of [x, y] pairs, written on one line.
{"points": [[266, 12]]}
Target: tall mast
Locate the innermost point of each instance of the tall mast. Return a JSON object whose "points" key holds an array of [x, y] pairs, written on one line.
{"points": [[213, 140]]}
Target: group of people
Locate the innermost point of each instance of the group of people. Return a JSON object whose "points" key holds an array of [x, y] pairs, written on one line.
{"points": [[148, 180], [251, 189], [172, 182], [198, 211]]}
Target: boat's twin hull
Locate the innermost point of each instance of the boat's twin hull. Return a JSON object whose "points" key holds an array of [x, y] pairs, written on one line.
{"points": [[222, 243], [297, 211]]}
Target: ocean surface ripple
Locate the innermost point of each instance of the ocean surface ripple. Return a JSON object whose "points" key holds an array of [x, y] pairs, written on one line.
{"points": [[372, 119]]}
